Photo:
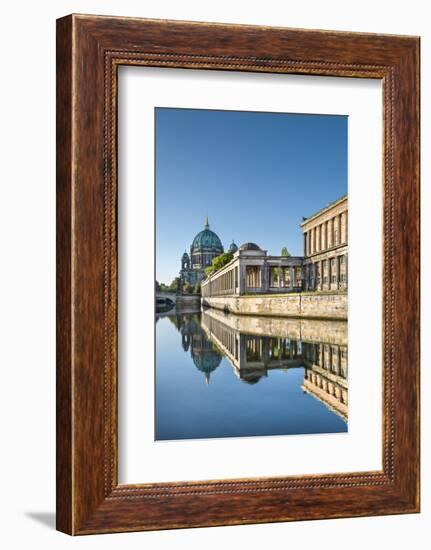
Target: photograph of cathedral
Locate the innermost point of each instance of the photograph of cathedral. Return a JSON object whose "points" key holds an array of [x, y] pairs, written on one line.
{"points": [[255, 304], [205, 247]]}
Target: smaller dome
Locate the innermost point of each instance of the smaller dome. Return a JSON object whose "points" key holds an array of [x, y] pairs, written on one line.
{"points": [[185, 256], [249, 246], [233, 248]]}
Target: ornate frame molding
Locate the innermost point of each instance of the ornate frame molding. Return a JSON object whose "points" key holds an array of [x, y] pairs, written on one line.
{"points": [[90, 49]]}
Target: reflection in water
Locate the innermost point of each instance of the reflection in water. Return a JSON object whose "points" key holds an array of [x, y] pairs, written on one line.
{"points": [[295, 375]]}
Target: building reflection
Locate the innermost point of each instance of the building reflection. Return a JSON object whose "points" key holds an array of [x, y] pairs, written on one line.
{"points": [[325, 375], [256, 345], [204, 354]]}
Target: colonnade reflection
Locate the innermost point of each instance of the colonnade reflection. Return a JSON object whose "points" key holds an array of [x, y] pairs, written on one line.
{"points": [[256, 345]]}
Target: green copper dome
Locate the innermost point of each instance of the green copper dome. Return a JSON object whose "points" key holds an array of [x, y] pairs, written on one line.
{"points": [[207, 239], [233, 248], [206, 360]]}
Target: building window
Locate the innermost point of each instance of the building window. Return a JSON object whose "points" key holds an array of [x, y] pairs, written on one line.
{"points": [[318, 274], [333, 271]]}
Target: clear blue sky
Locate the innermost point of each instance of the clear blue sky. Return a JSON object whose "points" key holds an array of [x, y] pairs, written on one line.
{"points": [[254, 174]]}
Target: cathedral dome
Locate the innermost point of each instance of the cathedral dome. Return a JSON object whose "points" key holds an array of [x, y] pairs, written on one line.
{"points": [[204, 356], [206, 361], [207, 239]]}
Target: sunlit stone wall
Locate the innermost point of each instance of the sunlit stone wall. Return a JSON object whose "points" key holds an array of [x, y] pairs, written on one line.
{"points": [[323, 306]]}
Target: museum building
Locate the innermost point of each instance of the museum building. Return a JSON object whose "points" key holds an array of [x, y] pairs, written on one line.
{"points": [[323, 267], [325, 247]]}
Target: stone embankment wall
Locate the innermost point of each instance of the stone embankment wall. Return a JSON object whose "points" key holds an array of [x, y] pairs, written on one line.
{"points": [[307, 330], [188, 304], [328, 305]]}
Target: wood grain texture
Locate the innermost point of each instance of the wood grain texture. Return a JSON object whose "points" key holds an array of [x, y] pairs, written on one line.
{"points": [[90, 49], [64, 497]]}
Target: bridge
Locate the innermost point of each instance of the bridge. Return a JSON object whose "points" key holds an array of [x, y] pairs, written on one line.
{"points": [[169, 303], [165, 302], [163, 295]]}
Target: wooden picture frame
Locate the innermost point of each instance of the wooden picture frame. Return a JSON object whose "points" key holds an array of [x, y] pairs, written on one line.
{"points": [[89, 51]]}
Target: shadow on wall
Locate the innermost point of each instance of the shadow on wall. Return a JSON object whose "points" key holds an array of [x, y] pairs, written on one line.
{"points": [[45, 518]]}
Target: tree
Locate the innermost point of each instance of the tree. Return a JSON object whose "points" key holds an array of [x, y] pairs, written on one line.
{"points": [[285, 252], [197, 288], [218, 262], [187, 288], [173, 287]]}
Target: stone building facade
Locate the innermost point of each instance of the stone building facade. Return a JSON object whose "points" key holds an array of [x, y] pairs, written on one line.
{"points": [[325, 236], [322, 268], [252, 271]]}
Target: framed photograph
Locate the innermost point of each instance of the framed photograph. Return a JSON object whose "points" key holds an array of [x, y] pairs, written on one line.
{"points": [[237, 274]]}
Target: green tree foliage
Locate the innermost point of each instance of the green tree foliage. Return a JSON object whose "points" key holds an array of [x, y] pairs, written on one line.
{"points": [[173, 287], [162, 287], [285, 252], [187, 288], [218, 262], [197, 288]]}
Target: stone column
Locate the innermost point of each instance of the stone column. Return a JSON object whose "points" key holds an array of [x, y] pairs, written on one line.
{"points": [[293, 349], [337, 371], [241, 282], [265, 277], [321, 274], [343, 227], [305, 243], [292, 277], [331, 231], [337, 266], [316, 285], [346, 267], [346, 225]]}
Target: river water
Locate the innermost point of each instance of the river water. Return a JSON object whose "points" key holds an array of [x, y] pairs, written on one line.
{"points": [[220, 375]]}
